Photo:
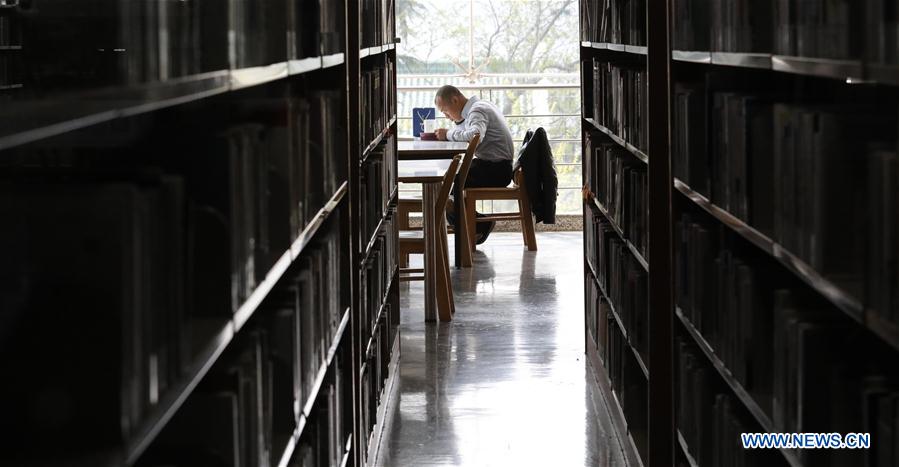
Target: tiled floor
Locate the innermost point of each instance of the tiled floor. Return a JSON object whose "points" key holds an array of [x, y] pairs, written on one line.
{"points": [[506, 383]]}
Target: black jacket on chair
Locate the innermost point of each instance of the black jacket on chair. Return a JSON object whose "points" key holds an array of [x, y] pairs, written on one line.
{"points": [[536, 161]]}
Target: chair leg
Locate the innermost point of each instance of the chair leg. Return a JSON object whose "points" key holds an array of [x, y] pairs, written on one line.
{"points": [[464, 242], [471, 221], [527, 221], [445, 304]]}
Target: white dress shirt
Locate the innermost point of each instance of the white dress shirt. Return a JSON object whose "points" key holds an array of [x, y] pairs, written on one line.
{"points": [[484, 118]]}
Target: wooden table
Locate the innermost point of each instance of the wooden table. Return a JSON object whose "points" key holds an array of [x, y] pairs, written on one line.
{"points": [[417, 150], [430, 174]]}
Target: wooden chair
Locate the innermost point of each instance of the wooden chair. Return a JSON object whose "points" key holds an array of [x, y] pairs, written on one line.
{"points": [[413, 242], [413, 204], [515, 192]]}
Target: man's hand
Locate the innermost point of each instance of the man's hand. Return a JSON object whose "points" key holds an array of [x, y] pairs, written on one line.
{"points": [[441, 134]]}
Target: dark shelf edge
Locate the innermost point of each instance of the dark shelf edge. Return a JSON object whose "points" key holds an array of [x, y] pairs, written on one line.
{"points": [[748, 402], [639, 50], [381, 307], [686, 449], [337, 338], [251, 304], [620, 141], [220, 82], [173, 400], [310, 399], [333, 60], [375, 142], [369, 246], [376, 50], [833, 293], [630, 246], [155, 423]]}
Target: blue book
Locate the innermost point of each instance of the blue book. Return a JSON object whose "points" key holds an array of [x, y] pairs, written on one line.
{"points": [[419, 115]]}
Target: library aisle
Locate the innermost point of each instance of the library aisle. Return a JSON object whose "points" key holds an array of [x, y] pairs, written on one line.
{"points": [[506, 383]]}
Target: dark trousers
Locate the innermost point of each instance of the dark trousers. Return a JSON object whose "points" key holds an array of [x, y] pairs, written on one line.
{"points": [[486, 174]]}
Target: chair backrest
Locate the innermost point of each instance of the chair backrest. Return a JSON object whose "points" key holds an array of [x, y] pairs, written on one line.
{"points": [[466, 161], [446, 185]]}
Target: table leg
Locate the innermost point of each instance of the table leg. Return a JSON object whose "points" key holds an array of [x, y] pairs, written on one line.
{"points": [[430, 258]]}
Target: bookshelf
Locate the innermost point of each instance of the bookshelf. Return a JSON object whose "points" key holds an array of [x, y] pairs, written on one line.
{"points": [[763, 103], [194, 215]]}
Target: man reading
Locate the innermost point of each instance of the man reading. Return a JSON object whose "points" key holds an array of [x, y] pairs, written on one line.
{"points": [[492, 165]]}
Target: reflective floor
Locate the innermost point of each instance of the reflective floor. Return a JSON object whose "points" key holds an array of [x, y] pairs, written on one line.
{"points": [[506, 383]]}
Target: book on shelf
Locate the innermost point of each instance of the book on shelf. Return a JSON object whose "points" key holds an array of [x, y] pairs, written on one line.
{"points": [[723, 298], [109, 258], [690, 149], [614, 21], [378, 96], [259, 32], [740, 26], [881, 32], [620, 101], [691, 24], [882, 275], [818, 28], [621, 277]]}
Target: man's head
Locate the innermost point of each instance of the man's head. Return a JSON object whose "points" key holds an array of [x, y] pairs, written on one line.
{"points": [[450, 101]]}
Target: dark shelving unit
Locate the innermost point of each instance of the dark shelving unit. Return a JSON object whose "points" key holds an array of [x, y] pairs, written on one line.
{"points": [[217, 180], [757, 111]]}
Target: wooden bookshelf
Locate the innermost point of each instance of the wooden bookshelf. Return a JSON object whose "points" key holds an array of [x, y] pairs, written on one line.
{"points": [[243, 173], [727, 232]]}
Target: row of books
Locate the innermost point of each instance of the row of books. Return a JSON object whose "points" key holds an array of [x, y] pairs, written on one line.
{"points": [[378, 99], [806, 28], [160, 257], [882, 265], [628, 383], [741, 171], [881, 413], [378, 273], [10, 52], [722, 297], [619, 100], [382, 28], [277, 173], [246, 410], [813, 152], [614, 21], [817, 363], [702, 403], [817, 28], [717, 154], [621, 277], [792, 355], [618, 180], [112, 43], [376, 370], [721, 151], [723, 26], [882, 31], [379, 178], [85, 255]]}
